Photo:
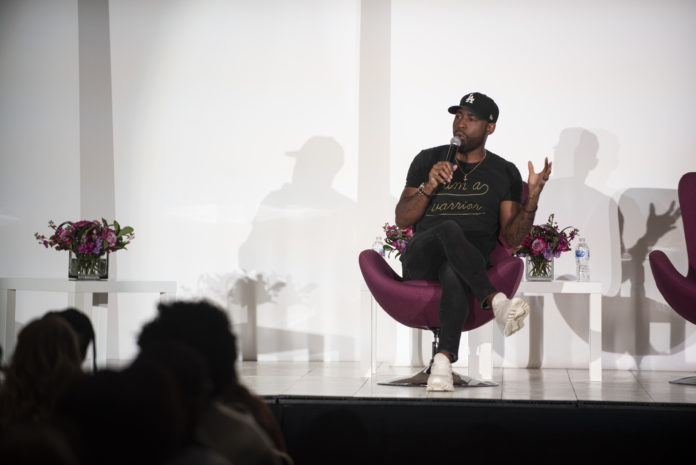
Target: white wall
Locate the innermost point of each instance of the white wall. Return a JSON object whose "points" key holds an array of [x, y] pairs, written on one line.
{"points": [[210, 96], [39, 138]]}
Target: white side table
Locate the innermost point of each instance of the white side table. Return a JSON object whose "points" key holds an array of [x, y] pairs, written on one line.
{"points": [[594, 289], [82, 295]]}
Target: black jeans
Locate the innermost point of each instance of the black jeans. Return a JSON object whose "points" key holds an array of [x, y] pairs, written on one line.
{"points": [[444, 254]]}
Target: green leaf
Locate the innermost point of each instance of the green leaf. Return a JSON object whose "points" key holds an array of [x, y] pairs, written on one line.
{"points": [[125, 231]]}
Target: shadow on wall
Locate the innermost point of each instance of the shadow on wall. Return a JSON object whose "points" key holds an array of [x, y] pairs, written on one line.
{"points": [[620, 237], [593, 212], [299, 257], [245, 296], [650, 327]]}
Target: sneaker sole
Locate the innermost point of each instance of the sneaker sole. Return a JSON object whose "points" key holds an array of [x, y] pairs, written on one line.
{"points": [[519, 311], [439, 385]]}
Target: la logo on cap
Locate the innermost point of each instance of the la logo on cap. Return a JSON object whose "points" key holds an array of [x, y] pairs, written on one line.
{"points": [[470, 98]]}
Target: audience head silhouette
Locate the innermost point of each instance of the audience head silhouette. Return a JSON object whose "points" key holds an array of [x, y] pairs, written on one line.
{"points": [[82, 326], [203, 327], [45, 363]]}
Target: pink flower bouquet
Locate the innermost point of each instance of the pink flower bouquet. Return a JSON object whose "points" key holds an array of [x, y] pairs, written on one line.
{"points": [[88, 240], [395, 239], [545, 242]]}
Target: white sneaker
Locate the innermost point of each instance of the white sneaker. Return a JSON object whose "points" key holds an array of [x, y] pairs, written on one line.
{"points": [[440, 378], [509, 314]]}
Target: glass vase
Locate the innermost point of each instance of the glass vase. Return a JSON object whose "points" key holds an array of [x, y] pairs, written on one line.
{"points": [[538, 268], [88, 267]]}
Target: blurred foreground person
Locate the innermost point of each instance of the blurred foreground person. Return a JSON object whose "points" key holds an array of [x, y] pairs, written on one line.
{"points": [[45, 365], [237, 424], [143, 414], [84, 330]]}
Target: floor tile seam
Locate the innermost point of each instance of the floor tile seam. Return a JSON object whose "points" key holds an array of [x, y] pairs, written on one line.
{"points": [[642, 386], [572, 385], [294, 382], [359, 388], [501, 386]]}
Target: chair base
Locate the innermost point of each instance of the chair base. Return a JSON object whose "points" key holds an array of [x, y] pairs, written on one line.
{"points": [[421, 379], [687, 380]]}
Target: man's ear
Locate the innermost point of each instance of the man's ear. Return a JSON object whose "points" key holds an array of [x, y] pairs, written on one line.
{"points": [[490, 129]]}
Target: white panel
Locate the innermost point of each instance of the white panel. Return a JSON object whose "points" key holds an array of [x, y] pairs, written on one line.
{"points": [[39, 140], [39, 131], [235, 152]]}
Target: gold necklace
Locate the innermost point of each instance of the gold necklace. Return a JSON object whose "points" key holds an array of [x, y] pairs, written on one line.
{"points": [[472, 169]]}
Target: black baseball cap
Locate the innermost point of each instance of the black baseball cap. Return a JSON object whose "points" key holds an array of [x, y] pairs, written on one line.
{"points": [[479, 104]]}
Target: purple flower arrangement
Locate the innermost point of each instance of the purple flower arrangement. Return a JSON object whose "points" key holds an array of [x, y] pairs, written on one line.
{"points": [[87, 237], [395, 239], [545, 242], [88, 240]]}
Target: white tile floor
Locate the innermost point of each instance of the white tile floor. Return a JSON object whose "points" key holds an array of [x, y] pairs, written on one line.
{"points": [[345, 379]]}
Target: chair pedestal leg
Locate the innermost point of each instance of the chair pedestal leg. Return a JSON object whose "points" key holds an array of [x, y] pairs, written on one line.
{"points": [[421, 378]]}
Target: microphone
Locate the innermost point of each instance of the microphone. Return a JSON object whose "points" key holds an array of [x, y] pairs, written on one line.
{"points": [[455, 142]]}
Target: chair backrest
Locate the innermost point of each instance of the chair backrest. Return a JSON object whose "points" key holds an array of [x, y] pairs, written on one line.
{"points": [[687, 203]]}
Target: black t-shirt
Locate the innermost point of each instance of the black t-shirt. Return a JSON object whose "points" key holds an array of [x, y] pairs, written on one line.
{"points": [[474, 204]]}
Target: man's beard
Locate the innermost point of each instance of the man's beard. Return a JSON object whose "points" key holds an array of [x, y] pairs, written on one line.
{"points": [[468, 144]]}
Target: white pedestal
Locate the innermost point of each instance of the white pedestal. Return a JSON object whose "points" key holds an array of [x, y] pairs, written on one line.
{"points": [[594, 290]]}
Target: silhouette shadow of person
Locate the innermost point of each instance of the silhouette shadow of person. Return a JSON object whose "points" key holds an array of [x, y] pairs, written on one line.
{"points": [[608, 226], [300, 256], [575, 203]]}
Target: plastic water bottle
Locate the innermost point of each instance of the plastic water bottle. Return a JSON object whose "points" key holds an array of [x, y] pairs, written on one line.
{"points": [[582, 260], [377, 246]]}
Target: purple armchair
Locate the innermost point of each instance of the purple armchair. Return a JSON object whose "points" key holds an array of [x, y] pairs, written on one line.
{"points": [[680, 291], [416, 303]]}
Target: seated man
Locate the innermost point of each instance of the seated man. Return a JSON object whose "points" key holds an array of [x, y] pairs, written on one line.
{"points": [[460, 201]]}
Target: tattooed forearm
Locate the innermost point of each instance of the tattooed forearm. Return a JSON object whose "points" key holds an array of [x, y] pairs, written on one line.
{"points": [[521, 223], [411, 207], [520, 227]]}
